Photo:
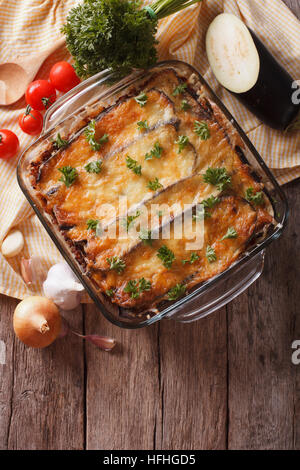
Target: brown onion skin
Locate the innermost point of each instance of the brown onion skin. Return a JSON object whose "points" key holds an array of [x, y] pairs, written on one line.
{"points": [[31, 316]]}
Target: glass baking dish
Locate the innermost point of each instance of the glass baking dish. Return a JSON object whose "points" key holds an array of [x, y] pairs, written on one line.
{"points": [[67, 113]]}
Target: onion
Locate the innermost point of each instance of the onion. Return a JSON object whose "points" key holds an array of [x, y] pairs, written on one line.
{"points": [[232, 53], [37, 321]]}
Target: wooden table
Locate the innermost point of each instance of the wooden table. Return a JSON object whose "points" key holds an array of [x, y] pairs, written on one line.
{"points": [[226, 381]]}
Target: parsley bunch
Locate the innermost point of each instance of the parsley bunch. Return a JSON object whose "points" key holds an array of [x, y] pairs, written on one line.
{"points": [[115, 34]]}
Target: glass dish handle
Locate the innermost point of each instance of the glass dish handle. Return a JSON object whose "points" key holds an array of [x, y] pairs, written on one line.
{"points": [[73, 100]]}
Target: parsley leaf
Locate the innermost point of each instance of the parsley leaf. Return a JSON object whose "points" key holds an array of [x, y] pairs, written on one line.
{"points": [[209, 203], [129, 220], [133, 165], [69, 175], [95, 225], [202, 130], [110, 292], [145, 236], [135, 288], [154, 184], [59, 142], [141, 99], [179, 89], [182, 142], [256, 198], [218, 177], [117, 264], [194, 257], [94, 167], [176, 291], [155, 152], [142, 125], [231, 233], [185, 105], [166, 255], [211, 254], [90, 132]]}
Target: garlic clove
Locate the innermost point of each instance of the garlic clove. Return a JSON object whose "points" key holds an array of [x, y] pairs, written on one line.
{"points": [[31, 270], [13, 244]]}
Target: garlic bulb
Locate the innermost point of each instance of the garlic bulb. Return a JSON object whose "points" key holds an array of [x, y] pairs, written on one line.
{"points": [[62, 286]]}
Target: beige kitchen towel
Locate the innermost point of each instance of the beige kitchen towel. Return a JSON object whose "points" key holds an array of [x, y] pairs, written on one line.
{"points": [[27, 25]]}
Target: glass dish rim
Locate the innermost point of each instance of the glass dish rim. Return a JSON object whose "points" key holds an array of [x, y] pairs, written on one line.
{"points": [[210, 282]]}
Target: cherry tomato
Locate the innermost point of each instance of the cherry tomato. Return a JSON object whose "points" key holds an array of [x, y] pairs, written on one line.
{"points": [[9, 144], [31, 121], [63, 76], [40, 94]]}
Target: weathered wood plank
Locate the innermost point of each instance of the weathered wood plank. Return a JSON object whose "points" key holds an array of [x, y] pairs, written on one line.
{"points": [[122, 387], [263, 323], [193, 384], [42, 391]]}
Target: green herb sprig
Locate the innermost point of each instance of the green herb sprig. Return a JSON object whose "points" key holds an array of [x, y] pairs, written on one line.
{"points": [[166, 256], [154, 185], [156, 152], [231, 233], [256, 198], [202, 130], [115, 34], [69, 175], [136, 287], [182, 142], [117, 264], [94, 167], [218, 177], [211, 254], [133, 165], [176, 291], [90, 135]]}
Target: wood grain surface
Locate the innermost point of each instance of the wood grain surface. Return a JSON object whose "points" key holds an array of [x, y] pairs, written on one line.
{"points": [[226, 381]]}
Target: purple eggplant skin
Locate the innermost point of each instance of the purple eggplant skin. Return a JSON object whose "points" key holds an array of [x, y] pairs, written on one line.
{"points": [[270, 99]]}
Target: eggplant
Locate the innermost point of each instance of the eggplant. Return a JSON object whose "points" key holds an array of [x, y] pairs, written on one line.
{"points": [[246, 68]]}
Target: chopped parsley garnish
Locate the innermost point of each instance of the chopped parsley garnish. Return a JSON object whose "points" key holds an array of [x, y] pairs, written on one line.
{"points": [[179, 89], [194, 257], [95, 225], [182, 142], [166, 255], [231, 233], [135, 288], [145, 236], [155, 152], [94, 167], [117, 264], [129, 220], [185, 105], [210, 254], [110, 292], [133, 165], [202, 130], [141, 99], [69, 175], [59, 142], [90, 132], [256, 198], [154, 184], [142, 125], [176, 291], [209, 203], [218, 177]]}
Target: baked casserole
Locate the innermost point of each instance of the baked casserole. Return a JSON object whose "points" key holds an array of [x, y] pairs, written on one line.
{"points": [[134, 169]]}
